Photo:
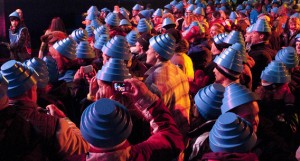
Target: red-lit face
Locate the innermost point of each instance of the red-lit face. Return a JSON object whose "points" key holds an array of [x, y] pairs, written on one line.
{"points": [[157, 20], [151, 56], [14, 23], [214, 31]]}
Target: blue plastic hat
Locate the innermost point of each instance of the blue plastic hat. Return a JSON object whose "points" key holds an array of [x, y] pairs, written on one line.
{"points": [[90, 30], [179, 6], [223, 1], [223, 8], [234, 37], [113, 70], [158, 13], [217, 2], [105, 10], [112, 19], [105, 123], [14, 14], [101, 41], [276, 72], [296, 15], [174, 3], [125, 22], [218, 39], [66, 48], [164, 45], [93, 10], [132, 37], [143, 26], [91, 17], [101, 30], [233, 16], [146, 14], [288, 56], [3, 86], [250, 28], [209, 100], [232, 134], [117, 47], [196, 23], [190, 8], [230, 59], [168, 21], [236, 95], [124, 14], [275, 10], [95, 23], [168, 6], [261, 25], [125, 10], [79, 35], [20, 77], [197, 1], [239, 7], [248, 8], [190, 2], [41, 68], [297, 37], [137, 7], [199, 11], [52, 68], [84, 50]]}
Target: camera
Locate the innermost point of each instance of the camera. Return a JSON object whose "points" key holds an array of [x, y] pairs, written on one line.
{"points": [[121, 86], [88, 69]]}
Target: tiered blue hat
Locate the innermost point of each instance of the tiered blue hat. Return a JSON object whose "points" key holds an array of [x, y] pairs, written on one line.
{"points": [[14, 14], [52, 68], [137, 7], [297, 15], [84, 51], [276, 72], [190, 8], [168, 21], [275, 10], [113, 70], [125, 10], [209, 100], [164, 45], [190, 2], [112, 19], [168, 6], [230, 59], [196, 23], [158, 13], [125, 22], [179, 6], [199, 11], [105, 10], [20, 77], [239, 7], [90, 30], [261, 25], [101, 30], [143, 26], [117, 47], [174, 3], [250, 28], [288, 56], [234, 37], [95, 23], [232, 133], [105, 123], [219, 39], [3, 86], [66, 48], [233, 16], [41, 68], [146, 14], [236, 95], [91, 17], [132, 37], [79, 35], [93, 10], [101, 41], [124, 14]]}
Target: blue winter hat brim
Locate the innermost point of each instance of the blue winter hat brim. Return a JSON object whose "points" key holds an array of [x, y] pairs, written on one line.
{"points": [[164, 45]]}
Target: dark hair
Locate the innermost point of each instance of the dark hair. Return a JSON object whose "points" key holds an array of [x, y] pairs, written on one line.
{"points": [[216, 14], [14, 18], [57, 25], [267, 35]]}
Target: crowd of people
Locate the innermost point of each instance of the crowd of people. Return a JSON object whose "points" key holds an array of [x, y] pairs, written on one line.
{"points": [[192, 80]]}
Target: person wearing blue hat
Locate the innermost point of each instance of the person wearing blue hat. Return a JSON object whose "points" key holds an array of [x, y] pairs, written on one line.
{"points": [[113, 24], [106, 124], [178, 12], [126, 26], [19, 38], [103, 13], [135, 11], [157, 20], [169, 79], [288, 37], [31, 133]]}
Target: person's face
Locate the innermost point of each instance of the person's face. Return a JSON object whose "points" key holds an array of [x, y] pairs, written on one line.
{"points": [[157, 20], [249, 112], [135, 12], [214, 49], [105, 58], [14, 23], [255, 37], [208, 9], [248, 37], [219, 77], [214, 31], [294, 26], [151, 56], [139, 47], [298, 47], [59, 59]]}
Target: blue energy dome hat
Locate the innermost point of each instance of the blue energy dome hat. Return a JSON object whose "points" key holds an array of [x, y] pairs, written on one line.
{"points": [[95, 23], [102, 40], [112, 19], [113, 70], [132, 37], [79, 35], [199, 11], [209, 100], [90, 30], [143, 26], [158, 13], [66, 48], [236, 95], [232, 133], [168, 21], [125, 22], [105, 123], [52, 68], [101, 30], [276, 72], [41, 68], [14, 14], [234, 37], [84, 51], [3, 86], [117, 47], [288, 56], [261, 25], [164, 45], [20, 77]]}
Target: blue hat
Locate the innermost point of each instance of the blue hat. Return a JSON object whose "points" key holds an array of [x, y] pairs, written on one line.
{"points": [[236, 95], [297, 15], [174, 3], [112, 19], [197, 1], [217, 2], [66, 47], [113, 70], [248, 8], [233, 16], [132, 37], [223, 8], [125, 10], [41, 68], [105, 10], [275, 10], [179, 6], [102, 40], [190, 2], [124, 14], [230, 59], [276, 72], [223, 1], [117, 47], [250, 28], [90, 30], [95, 23], [101, 30], [239, 7], [297, 37], [164, 45], [158, 13], [14, 14], [196, 23], [168, 6], [209, 100], [231, 133], [125, 22], [190, 8], [20, 77], [3, 86], [168, 21], [93, 10], [143, 26], [137, 7], [199, 11], [261, 25], [79, 35], [84, 51], [91, 16], [105, 123], [288, 56], [219, 39], [234, 37], [145, 14], [52, 68]]}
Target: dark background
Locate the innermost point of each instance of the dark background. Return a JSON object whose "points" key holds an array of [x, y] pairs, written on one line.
{"points": [[38, 13]]}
